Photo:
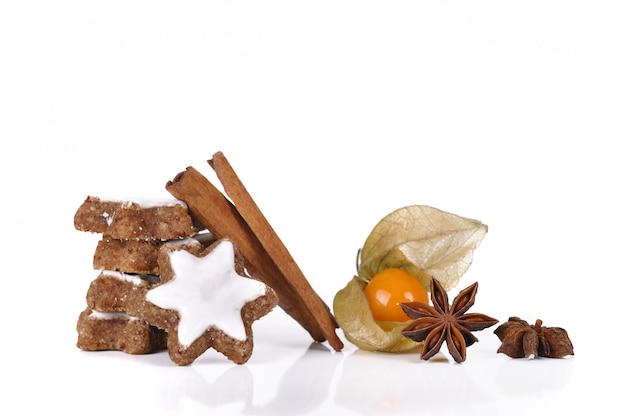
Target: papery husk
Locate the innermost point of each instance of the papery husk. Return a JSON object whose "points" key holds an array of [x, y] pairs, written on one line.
{"points": [[425, 241], [355, 318]]}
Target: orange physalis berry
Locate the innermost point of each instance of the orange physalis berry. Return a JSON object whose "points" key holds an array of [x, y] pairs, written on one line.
{"points": [[388, 289]]}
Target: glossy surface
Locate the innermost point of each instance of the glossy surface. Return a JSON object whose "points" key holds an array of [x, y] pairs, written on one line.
{"points": [[388, 289]]}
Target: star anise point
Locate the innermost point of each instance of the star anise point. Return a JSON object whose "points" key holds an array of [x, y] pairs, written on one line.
{"points": [[444, 322]]}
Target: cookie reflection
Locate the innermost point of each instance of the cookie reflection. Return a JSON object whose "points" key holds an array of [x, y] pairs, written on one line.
{"points": [[232, 386], [303, 386]]}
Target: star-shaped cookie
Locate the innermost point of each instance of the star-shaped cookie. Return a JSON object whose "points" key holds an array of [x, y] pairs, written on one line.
{"points": [[205, 300]]}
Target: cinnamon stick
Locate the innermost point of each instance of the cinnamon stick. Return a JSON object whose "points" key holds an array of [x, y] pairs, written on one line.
{"points": [[274, 247], [222, 218]]}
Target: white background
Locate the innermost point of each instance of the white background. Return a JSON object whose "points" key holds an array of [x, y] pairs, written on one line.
{"points": [[334, 113]]}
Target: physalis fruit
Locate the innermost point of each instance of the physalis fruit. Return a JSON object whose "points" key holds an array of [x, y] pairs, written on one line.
{"points": [[388, 289]]}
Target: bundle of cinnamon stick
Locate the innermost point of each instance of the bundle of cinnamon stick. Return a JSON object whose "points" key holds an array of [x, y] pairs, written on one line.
{"points": [[266, 257]]}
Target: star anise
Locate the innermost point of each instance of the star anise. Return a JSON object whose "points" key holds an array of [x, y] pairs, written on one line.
{"points": [[442, 322], [519, 339]]}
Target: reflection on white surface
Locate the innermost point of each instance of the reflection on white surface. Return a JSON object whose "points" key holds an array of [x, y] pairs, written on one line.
{"points": [[531, 378], [234, 385], [304, 386], [403, 383], [487, 384], [214, 384]]}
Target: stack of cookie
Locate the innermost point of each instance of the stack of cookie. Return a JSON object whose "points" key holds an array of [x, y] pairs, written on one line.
{"points": [[165, 284], [133, 233]]}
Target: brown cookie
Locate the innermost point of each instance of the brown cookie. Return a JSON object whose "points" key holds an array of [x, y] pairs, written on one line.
{"points": [[100, 331], [138, 256], [114, 291], [206, 301], [130, 256], [163, 220]]}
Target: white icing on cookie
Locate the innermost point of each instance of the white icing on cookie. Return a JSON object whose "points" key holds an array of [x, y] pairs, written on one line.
{"points": [[189, 241], [132, 278], [194, 241], [147, 202], [111, 315], [206, 292]]}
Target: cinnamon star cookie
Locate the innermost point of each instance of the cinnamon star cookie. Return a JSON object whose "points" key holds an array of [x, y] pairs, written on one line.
{"points": [[206, 301]]}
